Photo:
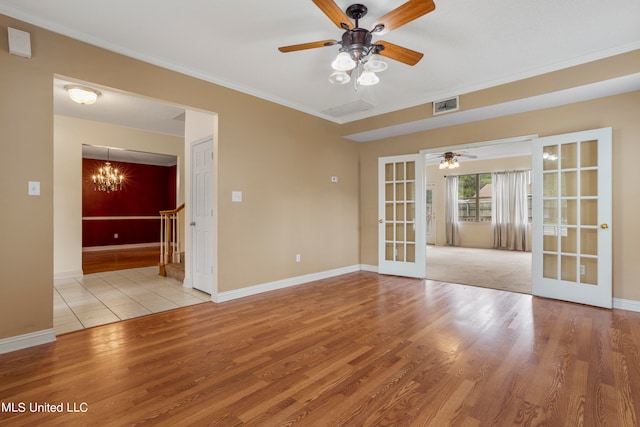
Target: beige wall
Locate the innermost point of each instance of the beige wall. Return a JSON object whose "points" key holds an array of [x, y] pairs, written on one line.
{"points": [[472, 235], [281, 159], [69, 134], [620, 112]]}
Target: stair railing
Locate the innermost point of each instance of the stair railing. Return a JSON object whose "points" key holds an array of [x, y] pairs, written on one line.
{"points": [[171, 240]]}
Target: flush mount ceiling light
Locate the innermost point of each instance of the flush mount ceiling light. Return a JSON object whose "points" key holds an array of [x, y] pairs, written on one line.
{"points": [[358, 53], [82, 94]]}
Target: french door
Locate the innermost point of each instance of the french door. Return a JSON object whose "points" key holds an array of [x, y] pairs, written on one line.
{"points": [[571, 243], [430, 214], [401, 216]]}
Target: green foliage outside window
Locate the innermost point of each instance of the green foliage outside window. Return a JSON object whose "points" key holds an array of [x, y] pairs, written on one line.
{"points": [[474, 204]]}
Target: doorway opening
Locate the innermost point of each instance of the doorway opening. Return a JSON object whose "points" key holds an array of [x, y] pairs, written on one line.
{"points": [[474, 260], [134, 125]]}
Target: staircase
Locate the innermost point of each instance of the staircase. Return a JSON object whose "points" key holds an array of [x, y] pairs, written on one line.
{"points": [[172, 243], [175, 270]]}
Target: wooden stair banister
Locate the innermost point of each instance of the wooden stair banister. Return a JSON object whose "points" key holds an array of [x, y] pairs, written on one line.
{"points": [[171, 240]]}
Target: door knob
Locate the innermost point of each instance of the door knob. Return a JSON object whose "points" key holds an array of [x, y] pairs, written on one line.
{"points": [[604, 226], [381, 221], [192, 223]]}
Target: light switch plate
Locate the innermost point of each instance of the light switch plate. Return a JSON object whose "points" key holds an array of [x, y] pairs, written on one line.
{"points": [[34, 188], [236, 196]]}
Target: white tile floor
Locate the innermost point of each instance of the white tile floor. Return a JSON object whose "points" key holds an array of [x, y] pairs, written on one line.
{"points": [[100, 298]]}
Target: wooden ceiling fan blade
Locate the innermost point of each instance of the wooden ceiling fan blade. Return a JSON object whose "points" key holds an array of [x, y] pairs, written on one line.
{"points": [[333, 12], [413, 9], [399, 53], [304, 46]]}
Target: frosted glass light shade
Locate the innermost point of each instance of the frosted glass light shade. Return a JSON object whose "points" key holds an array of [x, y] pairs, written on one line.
{"points": [[82, 95], [375, 63], [343, 62], [339, 78], [368, 78]]}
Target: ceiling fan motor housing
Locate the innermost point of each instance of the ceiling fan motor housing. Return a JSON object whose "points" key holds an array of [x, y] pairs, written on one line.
{"points": [[357, 42]]}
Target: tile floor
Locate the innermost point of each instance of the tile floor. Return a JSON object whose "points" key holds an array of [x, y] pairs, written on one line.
{"points": [[100, 298]]}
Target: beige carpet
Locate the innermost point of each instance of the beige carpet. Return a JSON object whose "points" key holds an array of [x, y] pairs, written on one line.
{"points": [[488, 268]]}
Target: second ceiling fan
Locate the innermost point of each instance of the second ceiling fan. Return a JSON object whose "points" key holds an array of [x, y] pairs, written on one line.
{"points": [[356, 45]]}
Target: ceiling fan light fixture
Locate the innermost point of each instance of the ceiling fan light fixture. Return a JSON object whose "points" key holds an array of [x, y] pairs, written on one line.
{"points": [[339, 78], [343, 62], [375, 63], [368, 78], [82, 95]]}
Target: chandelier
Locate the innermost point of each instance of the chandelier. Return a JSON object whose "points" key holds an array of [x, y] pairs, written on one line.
{"points": [[108, 178]]}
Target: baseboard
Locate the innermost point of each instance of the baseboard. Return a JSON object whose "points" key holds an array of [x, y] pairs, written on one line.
{"points": [[626, 304], [27, 340], [67, 274], [371, 268], [280, 284], [116, 247], [187, 283]]}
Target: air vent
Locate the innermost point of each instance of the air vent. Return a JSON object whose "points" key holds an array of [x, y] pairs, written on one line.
{"points": [[446, 105], [348, 109]]}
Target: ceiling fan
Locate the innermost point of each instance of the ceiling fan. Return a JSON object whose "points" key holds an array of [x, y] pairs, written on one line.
{"points": [[450, 159], [356, 45]]}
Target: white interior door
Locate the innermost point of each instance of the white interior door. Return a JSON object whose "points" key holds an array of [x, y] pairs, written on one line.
{"points": [[202, 215], [572, 217], [401, 216]]}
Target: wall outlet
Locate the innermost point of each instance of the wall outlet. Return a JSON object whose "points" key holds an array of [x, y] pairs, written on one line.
{"points": [[115, 236], [334, 179], [297, 257], [583, 269]]}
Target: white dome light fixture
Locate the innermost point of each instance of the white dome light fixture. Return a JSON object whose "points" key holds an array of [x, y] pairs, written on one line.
{"points": [[82, 94]]}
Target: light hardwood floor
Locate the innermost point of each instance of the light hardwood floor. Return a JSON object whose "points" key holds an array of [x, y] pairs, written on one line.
{"points": [[356, 350]]}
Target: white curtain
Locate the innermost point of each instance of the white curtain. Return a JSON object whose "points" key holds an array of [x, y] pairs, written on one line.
{"points": [[451, 211], [509, 210]]}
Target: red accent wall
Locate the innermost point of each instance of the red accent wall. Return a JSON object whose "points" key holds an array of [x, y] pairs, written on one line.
{"points": [[146, 190]]}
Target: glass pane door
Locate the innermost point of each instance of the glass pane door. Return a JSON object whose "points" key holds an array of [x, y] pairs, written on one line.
{"points": [[572, 236], [430, 214], [401, 216]]}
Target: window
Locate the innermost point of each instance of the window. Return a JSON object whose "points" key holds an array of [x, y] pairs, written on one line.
{"points": [[474, 197]]}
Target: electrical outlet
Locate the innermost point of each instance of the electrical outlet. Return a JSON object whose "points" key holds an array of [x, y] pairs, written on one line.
{"points": [[115, 236], [297, 257], [583, 269]]}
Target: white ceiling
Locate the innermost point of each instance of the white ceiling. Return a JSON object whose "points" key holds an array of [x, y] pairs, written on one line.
{"points": [[467, 44]]}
